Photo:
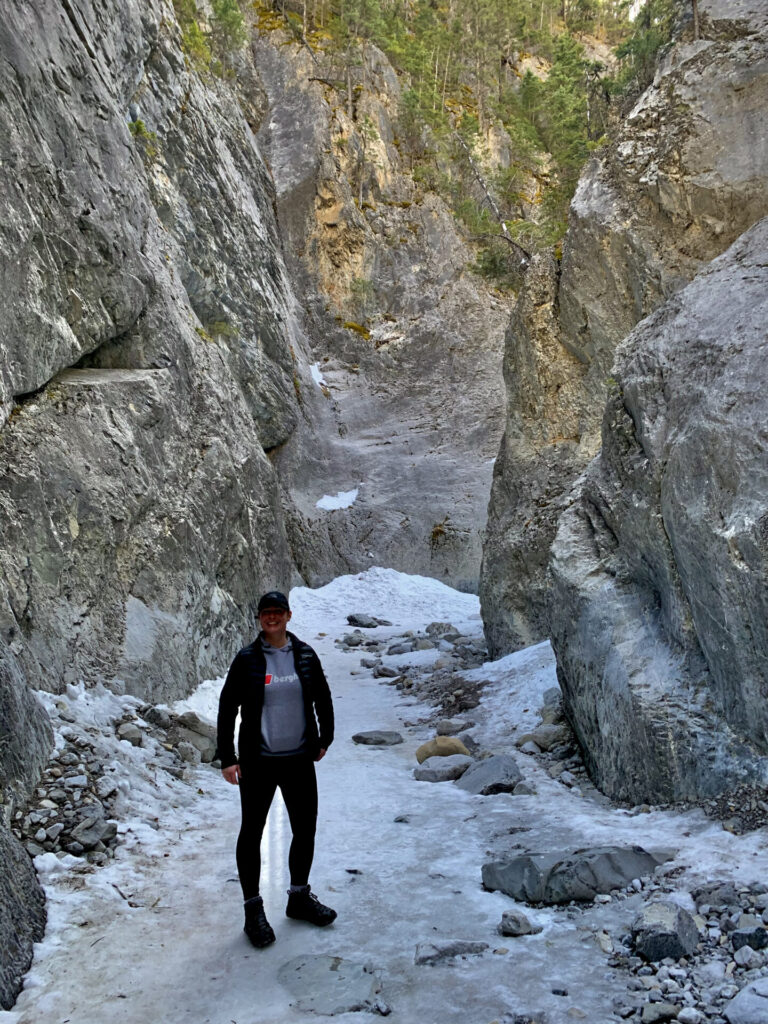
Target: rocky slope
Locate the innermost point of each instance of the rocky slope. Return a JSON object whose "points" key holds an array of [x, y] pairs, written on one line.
{"points": [[659, 564], [685, 177]]}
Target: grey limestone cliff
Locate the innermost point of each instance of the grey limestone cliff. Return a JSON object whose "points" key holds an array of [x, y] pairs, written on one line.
{"points": [[148, 357], [408, 339], [659, 565], [164, 439], [685, 177]]}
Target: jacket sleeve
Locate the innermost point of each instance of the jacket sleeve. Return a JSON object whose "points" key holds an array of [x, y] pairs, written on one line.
{"points": [[323, 703], [229, 705]]}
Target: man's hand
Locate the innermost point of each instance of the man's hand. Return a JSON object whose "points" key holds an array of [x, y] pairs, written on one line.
{"points": [[320, 754], [233, 773]]}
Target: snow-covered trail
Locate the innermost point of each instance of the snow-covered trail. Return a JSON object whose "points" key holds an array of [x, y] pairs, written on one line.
{"points": [[156, 936]]}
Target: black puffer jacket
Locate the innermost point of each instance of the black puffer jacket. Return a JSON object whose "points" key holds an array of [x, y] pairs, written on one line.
{"points": [[243, 691]]}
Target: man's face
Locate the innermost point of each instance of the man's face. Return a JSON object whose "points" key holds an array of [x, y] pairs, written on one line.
{"points": [[273, 620]]}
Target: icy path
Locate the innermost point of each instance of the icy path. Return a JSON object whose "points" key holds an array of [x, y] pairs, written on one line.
{"points": [[178, 955]]}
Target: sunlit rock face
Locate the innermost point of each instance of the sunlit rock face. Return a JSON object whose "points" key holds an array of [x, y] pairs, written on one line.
{"points": [[408, 339], [685, 177], [660, 602]]}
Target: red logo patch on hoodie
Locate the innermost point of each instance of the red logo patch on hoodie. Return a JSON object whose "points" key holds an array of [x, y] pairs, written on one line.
{"points": [[267, 679]]}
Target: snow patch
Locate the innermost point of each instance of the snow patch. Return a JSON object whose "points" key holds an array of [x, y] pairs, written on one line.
{"points": [[343, 499], [317, 376]]}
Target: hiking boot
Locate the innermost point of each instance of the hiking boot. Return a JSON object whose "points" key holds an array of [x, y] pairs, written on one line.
{"points": [[257, 927], [305, 906]]}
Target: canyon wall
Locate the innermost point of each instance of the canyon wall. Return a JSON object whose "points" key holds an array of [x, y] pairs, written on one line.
{"points": [[184, 373], [684, 178], [660, 564]]}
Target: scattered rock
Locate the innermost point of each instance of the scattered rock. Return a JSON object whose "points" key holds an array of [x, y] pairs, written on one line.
{"points": [[747, 958], [664, 929], [131, 733], [689, 1015], [94, 830], [756, 937], [442, 769], [515, 922], [158, 717], [452, 726], [378, 738], [547, 736], [497, 774], [188, 752], [653, 1013], [362, 621], [441, 629]]}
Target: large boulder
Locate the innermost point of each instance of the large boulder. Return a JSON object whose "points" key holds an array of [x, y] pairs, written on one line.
{"points": [[684, 177], [561, 877], [661, 628]]}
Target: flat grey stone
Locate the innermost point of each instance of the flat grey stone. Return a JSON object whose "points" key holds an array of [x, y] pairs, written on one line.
{"points": [[158, 717], [330, 985], [447, 949], [452, 726], [385, 672], [378, 738], [497, 774], [750, 1006], [654, 1013], [188, 752], [747, 958], [442, 769], [560, 877], [92, 831], [205, 745]]}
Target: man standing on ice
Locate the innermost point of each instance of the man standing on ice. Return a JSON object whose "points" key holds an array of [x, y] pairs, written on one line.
{"points": [[278, 685]]}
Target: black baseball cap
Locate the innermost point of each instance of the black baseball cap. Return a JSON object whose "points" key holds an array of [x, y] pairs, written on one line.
{"points": [[273, 599]]}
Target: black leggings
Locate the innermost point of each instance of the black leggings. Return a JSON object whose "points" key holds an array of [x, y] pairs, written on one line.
{"points": [[295, 776]]}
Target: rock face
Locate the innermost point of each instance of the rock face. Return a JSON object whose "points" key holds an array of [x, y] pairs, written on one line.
{"points": [[408, 340], [661, 632], [22, 915], [150, 360], [685, 177]]}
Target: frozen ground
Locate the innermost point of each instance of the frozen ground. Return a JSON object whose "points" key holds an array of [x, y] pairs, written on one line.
{"points": [[155, 936]]}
